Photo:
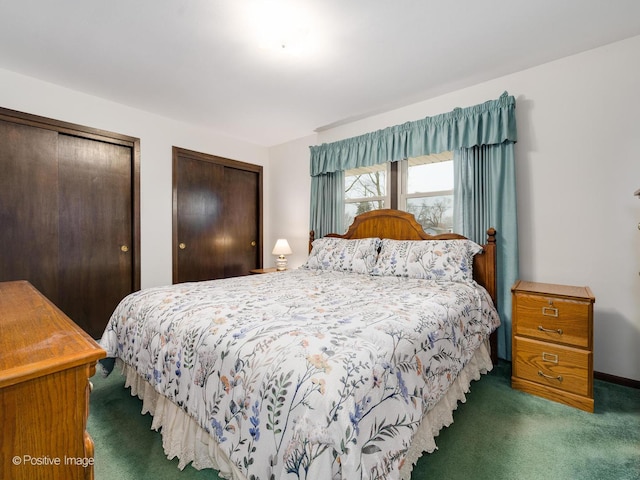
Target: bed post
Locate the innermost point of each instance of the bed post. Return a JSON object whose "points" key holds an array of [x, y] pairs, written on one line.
{"points": [[490, 272], [312, 237], [491, 284]]}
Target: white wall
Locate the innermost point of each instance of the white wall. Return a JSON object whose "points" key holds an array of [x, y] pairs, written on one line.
{"points": [[289, 199], [157, 136], [578, 164]]}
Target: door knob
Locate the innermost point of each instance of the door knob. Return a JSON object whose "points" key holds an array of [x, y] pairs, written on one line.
{"points": [[124, 248], [253, 244], [182, 246]]}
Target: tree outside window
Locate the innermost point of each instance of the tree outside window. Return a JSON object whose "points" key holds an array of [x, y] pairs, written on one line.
{"points": [[365, 190]]}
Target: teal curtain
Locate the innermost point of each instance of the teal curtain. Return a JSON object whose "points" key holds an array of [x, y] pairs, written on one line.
{"points": [[485, 196], [327, 203], [489, 123]]}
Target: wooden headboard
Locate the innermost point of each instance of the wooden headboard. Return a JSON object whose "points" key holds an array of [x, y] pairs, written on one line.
{"points": [[399, 225]]}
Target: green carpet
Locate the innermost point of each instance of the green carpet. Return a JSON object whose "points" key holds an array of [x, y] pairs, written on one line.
{"points": [[499, 433]]}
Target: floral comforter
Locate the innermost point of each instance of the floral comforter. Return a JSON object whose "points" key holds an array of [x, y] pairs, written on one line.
{"points": [[304, 374]]}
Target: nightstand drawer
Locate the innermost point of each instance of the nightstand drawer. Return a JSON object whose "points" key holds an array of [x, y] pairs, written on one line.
{"points": [[553, 319], [556, 366]]}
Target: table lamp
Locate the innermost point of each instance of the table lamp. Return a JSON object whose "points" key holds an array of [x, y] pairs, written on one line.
{"points": [[281, 249]]}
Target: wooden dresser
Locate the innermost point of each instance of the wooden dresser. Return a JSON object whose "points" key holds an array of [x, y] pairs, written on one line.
{"points": [[552, 342], [45, 364]]}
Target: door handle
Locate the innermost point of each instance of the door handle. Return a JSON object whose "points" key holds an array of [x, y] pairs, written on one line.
{"points": [[182, 246], [124, 248], [253, 244]]}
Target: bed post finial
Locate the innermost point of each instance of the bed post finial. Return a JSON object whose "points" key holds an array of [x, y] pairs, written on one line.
{"points": [[491, 235]]}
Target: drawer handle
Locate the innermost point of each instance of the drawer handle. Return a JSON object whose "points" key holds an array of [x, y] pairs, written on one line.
{"points": [[550, 330], [550, 377], [549, 311]]}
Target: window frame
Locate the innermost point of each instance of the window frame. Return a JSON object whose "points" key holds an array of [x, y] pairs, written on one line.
{"points": [[403, 185], [397, 182]]}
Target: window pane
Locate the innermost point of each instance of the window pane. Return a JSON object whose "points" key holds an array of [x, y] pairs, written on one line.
{"points": [[435, 214], [351, 210], [366, 182], [430, 177]]}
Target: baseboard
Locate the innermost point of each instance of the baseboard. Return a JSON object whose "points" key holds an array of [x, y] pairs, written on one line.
{"points": [[627, 382]]}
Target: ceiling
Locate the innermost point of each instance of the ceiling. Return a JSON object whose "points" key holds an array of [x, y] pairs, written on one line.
{"points": [[204, 61]]}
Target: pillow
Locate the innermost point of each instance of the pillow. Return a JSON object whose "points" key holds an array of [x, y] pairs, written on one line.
{"points": [[445, 260], [341, 254]]}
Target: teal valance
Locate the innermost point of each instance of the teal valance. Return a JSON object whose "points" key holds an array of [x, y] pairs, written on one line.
{"points": [[489, 123]]}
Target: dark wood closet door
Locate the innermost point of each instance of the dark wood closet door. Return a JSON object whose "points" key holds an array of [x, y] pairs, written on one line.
{"points": [[217, 217], [242, 219], [200, 227], [95, 236], [28, 203], [69, 207]]}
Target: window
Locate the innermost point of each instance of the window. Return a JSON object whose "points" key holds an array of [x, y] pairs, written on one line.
{"points": [[427, 191], [365, 188], [424, 187]]}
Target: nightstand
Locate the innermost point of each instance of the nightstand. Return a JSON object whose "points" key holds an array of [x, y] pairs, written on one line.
{"points": [[552, 342], [264, 270]]}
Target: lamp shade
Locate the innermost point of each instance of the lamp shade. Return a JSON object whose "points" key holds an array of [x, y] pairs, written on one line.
{"points": [[282, 247]]}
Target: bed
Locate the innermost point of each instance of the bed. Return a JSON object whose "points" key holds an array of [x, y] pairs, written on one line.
{"points": [[346, 367]]}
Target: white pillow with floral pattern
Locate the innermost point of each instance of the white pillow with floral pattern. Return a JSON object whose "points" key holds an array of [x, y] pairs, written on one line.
{"points": [[444, 260], [341, 254]]}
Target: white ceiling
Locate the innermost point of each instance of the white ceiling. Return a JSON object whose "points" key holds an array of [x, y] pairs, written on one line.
{"points": [[200, 61]]}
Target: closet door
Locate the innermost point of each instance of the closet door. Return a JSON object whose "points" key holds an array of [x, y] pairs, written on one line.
{"points": [[242, 221], [199, 187], [95, 229], [69, 214], [28, 206], [217, 220]]}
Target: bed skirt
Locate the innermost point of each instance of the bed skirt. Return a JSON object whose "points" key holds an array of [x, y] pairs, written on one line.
{"points": [[183, 438]]}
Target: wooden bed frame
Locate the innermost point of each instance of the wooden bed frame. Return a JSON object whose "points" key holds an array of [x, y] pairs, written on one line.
{"points": [[400, 225]]}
